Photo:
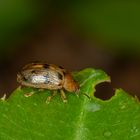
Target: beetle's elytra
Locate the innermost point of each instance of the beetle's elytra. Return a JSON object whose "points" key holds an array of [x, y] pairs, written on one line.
{"points": [[47, 76]]}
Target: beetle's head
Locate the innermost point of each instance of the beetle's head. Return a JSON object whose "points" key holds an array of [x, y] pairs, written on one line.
{"points": [[23, 76], [70, 84], [20, 78]]}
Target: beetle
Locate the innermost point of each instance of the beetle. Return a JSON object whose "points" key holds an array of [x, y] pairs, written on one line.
{"points": [[47, 76]]}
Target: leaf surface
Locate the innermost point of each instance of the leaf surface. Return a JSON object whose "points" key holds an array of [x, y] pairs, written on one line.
{"points": [[82, 118]]}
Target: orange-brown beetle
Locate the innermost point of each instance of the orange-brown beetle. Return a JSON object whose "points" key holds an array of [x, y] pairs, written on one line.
{"points": [[47, 76]]}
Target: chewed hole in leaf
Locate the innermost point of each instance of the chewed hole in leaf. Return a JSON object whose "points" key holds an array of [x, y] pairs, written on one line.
{"points": [[104, 91]]}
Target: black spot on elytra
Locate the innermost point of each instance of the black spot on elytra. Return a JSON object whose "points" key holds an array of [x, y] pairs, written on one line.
{"points": [[60, 76], [33, 71], [24, 79], [59, 84], [46, 66], [64, 73], [60, 67]]}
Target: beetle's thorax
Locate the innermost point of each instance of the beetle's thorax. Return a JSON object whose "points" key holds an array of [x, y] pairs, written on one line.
{"points": [[69, 84]]}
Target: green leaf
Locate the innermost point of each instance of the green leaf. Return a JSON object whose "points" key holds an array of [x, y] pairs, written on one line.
{"points": [[82, 118]]}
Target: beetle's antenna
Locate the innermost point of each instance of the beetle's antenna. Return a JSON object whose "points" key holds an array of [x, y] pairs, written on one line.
{"points": [[86, 95]]}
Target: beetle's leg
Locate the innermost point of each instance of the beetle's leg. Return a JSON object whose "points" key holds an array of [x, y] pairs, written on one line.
{"points": [[50, 97], [63, 96], [20, 87], [29, 94], [26, 94], [41, 89], [32, 92]]}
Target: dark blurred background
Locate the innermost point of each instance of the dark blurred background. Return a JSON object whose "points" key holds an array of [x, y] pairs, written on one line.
{"points": [[75, 34]]}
